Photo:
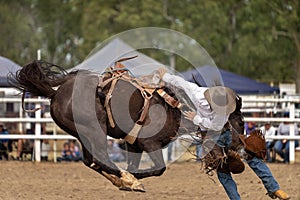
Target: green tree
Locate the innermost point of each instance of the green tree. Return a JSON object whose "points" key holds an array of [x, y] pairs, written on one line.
{"points": [[257, 53], [286, 27], [258, 39], [59, 22], [17, 29]]}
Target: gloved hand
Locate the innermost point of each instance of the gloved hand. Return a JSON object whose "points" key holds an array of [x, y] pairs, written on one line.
{"points": [[158, 74], [189, 115]]}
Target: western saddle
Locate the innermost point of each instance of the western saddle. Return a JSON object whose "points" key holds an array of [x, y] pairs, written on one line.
{"points": [[144, 84]]}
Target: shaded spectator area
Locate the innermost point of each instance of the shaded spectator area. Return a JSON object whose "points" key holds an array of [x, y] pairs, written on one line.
{"points": [[5, 144], [71, 152]]}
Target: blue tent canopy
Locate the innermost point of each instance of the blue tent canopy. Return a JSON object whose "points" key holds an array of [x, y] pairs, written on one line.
{"points": [[212, 76]]}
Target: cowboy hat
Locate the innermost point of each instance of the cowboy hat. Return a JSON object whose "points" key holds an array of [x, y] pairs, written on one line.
{"points": [[221, 99]]}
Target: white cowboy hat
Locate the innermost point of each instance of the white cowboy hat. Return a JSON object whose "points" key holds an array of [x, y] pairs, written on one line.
{"points": [[221, 99]]}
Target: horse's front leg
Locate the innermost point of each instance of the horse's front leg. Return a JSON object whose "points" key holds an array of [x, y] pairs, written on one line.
{"points": [[157, 170], [134, 155]]}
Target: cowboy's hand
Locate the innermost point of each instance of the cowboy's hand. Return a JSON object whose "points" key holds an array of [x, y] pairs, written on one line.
{"points": [[158, 74], [189, 115], [161, 71]]}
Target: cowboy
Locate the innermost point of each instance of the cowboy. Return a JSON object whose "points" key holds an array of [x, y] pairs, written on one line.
{"points": [[213, 107]]}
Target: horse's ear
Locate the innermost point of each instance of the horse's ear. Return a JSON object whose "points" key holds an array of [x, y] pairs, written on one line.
{"points": [[238, 102], [195, 80], [127, 58]]}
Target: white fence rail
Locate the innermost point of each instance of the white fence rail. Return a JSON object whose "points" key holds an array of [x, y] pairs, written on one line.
{"points": [[290, 101], [38, 120], [37, 137]]}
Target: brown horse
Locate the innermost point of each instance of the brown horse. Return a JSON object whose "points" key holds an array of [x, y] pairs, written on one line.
{"points": [[78, 109]]}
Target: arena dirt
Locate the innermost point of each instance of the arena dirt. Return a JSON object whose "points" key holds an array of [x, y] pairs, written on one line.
{"points": [[51, 181]]}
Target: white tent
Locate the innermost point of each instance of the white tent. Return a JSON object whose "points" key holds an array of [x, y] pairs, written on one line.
{"points": [[6, 66], [115, 50]]}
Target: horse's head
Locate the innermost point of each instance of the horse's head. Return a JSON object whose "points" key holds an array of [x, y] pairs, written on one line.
{"points": [[236, 121], [236, 118]]}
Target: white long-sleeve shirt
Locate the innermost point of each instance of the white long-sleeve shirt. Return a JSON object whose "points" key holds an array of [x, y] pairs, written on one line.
{"points": [[284, 129], [270, 132], [205, 118]]}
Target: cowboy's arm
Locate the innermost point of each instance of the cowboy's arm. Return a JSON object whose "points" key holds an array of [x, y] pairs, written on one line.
{"points": [[179, 82], [216, 123], [212, 124]]}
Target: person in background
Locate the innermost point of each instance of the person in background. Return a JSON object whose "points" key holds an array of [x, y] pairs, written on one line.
{"points": [[66, 154], [268, 130], [71, 152], [282, 147], [75, 150], [249, 127], [114, 151], [25, 145], [45, 150], [3, 144]]}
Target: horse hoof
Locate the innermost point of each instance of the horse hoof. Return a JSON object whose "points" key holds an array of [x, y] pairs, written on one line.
{"points": [[139, 188], [135, 188], [125, 188], [130, 183]]}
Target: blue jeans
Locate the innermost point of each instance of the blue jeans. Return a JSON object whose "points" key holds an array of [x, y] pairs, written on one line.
{"points": [[199, 151], [269, 146], [256, 164], [283, 149], [229, 185], [264, 173], [260, 169], [222, 140]]}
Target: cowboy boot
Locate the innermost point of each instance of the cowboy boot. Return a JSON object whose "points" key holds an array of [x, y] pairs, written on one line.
{"points": [[280, 194]]}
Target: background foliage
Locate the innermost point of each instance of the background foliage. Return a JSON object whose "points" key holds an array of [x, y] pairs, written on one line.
{"points": [[256, 38]]}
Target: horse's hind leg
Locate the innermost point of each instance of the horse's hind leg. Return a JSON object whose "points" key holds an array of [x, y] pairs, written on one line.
{"points": [[102, 169], [96, 157], [89, 118]]}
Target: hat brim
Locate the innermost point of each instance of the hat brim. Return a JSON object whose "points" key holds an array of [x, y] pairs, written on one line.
{"points": [[221, 99]]}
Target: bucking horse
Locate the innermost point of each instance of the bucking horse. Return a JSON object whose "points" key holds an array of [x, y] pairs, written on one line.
{"points": [[91, 107]]}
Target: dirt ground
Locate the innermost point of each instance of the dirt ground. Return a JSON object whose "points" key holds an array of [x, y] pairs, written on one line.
{"points": [[27, 180]]}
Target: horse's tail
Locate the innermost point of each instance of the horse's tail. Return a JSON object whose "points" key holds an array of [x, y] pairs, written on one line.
{"points": [[38, 78]]}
